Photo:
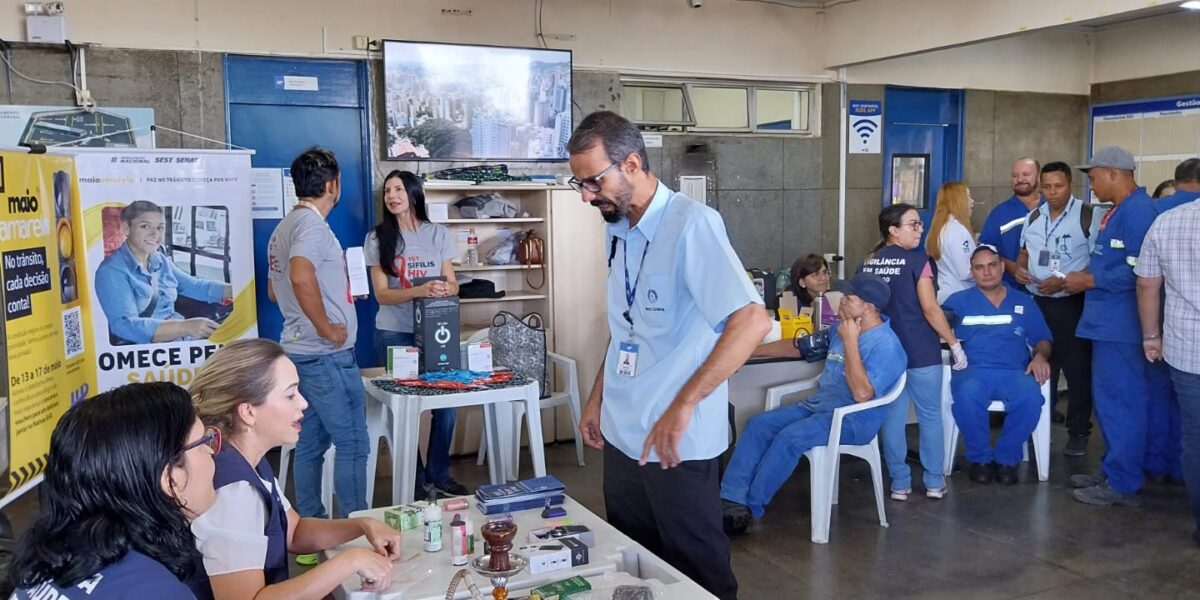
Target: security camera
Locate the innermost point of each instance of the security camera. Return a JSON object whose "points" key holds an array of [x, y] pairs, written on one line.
{"points": [[697, 3]]}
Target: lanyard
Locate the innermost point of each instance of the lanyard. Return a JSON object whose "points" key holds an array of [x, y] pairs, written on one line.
{"points": [[1061, 217], [1108, 215], [631, 291]]}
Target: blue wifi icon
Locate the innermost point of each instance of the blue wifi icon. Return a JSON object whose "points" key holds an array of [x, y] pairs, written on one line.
{"points": [[865, 127]]}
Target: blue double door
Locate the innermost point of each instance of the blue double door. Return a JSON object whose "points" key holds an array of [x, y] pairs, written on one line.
{"points": [[922, 130], [280, 118]]}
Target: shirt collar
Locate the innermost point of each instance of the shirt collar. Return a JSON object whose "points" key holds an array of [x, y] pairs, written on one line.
{"points": [[648, 224], [126, 256], [1044, 207]]}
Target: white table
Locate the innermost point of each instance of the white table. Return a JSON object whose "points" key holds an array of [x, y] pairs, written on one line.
{"points": [[613, 553], [406, 411]]}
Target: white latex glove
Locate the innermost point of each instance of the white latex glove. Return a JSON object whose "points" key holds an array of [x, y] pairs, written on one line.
{"points": [[959, 356]]}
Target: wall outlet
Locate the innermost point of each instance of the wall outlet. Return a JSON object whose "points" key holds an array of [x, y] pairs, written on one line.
{"points": [[566, 37], [361, 42]]}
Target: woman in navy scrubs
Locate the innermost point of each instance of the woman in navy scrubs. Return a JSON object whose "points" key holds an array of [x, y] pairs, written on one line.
{"points": [[127, 470], [248, 389]]}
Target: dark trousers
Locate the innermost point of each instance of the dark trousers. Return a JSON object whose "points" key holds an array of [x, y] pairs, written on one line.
{"points": [[674, 513], [1187, 389], [1071, 356]]}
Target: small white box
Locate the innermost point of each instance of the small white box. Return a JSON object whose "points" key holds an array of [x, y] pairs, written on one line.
{"points": [[438, 211], [403, 362], [545, 557], [479, 356], [46, 29]]}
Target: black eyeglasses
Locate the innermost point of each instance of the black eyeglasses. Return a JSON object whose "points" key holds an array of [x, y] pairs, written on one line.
{"points": [[591, 184], [211, 438], [913, 225]]}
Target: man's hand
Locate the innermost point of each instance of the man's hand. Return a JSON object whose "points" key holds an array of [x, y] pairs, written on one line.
{"points": [[589, 425], [1077, 281], [1022, 276], [665, 435], [1153, 349], [1051, 285], [335, 334], [1039, 368], [849, 330]]}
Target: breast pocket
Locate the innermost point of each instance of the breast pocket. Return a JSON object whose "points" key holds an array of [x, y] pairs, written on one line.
{"points": [[658, 300]]}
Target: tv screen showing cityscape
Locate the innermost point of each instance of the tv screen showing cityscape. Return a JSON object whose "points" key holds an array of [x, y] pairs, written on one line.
{"points": [[459, 102]]}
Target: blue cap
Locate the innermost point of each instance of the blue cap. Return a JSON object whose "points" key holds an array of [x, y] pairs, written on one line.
{"points": [[869, 287]]}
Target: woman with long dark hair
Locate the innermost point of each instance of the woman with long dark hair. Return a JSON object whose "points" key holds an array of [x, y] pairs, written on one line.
{"points": [[127, 471], [403, 248], [918, 321]]}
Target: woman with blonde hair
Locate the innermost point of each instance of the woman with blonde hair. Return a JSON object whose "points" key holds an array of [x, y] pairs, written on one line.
{"points": [[249, 390], [950, 242]]}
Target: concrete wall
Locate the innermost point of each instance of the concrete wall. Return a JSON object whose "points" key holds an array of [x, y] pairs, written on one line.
{"points": [[1177, 84], [185, 89], [1148, 47]]}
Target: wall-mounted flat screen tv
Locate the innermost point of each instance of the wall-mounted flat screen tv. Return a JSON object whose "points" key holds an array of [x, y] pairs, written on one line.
{"points": [[460, 102]]}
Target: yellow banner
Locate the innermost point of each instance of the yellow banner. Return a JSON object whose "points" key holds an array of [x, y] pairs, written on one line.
{"points": [[47, 360]]}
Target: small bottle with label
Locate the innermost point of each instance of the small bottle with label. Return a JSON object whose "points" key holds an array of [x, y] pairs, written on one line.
{"points": [[433, 525], [458, 541], [472, 248]]}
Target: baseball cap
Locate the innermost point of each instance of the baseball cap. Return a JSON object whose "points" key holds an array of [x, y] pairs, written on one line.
{"points": [[983, 247], [1111, 157], [869, 287]]}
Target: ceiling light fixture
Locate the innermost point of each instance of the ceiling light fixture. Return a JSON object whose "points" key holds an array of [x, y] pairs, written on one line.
{"points": [[1191, 5]]}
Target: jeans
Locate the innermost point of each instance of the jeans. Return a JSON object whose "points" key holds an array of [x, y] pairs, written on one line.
{"points": [[772, 443], [336, 414], [924, 391], [1187, 390], [1120, 396], [441, 425], [974, 389], [1162, 424]]}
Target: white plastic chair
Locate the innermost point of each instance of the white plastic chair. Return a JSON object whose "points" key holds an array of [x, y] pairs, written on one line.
{"points": [[568, 396], [1040, 437], [376, 429], [825, 460]]}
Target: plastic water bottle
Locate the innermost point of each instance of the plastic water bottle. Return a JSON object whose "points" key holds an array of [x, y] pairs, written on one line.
{"points": [[433, 526], [472, 248]]}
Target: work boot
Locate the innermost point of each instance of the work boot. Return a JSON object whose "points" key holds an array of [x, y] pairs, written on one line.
{"points": [[1103, 495], [981, 472], [1087, 480], [735, 518], [1076, 445]]}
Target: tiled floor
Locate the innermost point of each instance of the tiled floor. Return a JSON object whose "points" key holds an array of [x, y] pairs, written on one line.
{"points": [[1025, 541]]}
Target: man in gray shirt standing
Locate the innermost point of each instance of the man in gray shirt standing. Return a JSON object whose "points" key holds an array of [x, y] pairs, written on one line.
{"points": [[307, 277]]}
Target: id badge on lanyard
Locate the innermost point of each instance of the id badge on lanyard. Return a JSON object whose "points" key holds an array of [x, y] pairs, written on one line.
{"points": [[627, 354]]}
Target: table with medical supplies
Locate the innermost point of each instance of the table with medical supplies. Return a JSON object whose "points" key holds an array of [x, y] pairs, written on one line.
{"points": [[613, 558], [405, 405]]}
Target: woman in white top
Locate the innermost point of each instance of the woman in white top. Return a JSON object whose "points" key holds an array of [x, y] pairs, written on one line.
{"points": [[249, 390], [949, 242]]}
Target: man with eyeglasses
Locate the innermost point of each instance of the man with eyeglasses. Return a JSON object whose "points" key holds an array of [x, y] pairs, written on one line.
{"points": [[682, 317], [1004, 224]]}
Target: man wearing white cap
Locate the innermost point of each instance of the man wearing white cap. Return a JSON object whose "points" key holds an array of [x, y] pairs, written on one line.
{"points": [[1110, 319]]}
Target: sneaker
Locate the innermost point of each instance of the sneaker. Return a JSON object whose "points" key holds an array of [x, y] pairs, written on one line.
{"points": [[1076, 445], [1006, 474], [735, 518], [1103, 495], [1087, 480], [901, 495], [306, 560], [450, 487], [936, 493], [981, 472]]}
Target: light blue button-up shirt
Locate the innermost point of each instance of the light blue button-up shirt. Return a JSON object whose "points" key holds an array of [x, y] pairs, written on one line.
{"points": [[686, 286], [1063, 236], [125, 288]]}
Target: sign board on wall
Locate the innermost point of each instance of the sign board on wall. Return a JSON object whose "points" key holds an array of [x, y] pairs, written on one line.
{"points": [[170, 256], [865, 131], [1159, 132], [77, 127], [45, 365]]}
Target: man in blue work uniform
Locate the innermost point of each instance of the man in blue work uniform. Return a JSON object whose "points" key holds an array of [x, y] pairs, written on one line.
{"points": [[682, 317], [865, 359], [1110, 320], [1187, 185], [997, 327], [1002, 228]]}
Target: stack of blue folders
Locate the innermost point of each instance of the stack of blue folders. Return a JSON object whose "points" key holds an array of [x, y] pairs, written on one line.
{"points": [[521, 495]]}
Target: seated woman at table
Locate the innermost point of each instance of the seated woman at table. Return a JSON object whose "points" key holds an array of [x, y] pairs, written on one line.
{"points": [[248, 389], [810, 284], [127, 470]]}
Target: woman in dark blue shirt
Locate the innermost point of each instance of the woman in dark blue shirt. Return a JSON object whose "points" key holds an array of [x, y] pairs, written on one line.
{"points": [[127, 471]]}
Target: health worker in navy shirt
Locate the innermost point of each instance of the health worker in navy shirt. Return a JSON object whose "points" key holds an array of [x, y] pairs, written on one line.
{"points": [[1110, 319], [1003, 226], [1186, 184], [918, 321], [127, 470], [249, 389]]}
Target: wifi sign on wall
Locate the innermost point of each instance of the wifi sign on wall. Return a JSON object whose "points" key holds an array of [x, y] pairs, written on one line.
{"points": [[866, 118]]}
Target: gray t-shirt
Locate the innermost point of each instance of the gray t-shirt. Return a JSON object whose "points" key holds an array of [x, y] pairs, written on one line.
{"points": [[304, 233], [424, 252]]}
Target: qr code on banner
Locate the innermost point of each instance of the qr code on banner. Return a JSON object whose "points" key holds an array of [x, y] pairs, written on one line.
{"points": [[72, 324]]}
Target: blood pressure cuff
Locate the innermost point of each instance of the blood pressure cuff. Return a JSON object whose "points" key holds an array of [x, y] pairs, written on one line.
{"points": [[814, 347]]}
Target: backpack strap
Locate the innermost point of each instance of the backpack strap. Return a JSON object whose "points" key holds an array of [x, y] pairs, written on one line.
{"points": [[1085, 219]]}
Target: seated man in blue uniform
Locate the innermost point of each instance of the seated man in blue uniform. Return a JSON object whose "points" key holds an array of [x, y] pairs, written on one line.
{"points": [[865, 358], [997, 327]]}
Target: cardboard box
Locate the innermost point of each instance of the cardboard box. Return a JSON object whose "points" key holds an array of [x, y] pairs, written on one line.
{"points": [[579, 550], [402, 518], [436, 332], [479, 356], [403, 362]]}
